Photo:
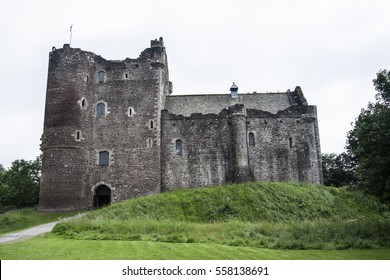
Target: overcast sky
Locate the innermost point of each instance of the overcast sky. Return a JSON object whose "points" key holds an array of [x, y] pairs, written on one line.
{"points": [[332, 49]]}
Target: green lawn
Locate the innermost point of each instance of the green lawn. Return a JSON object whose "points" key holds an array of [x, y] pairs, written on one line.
{"points": [[54, 248]]}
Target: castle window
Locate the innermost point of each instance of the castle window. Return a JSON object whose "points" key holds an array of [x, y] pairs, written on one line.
{"points": [[78, 135], [251, 139], [130, 112], [104, 158], [149, 142], [100, 109], [179, 147], [82, 102], [290, 142], [101, 76], [151, 124]]}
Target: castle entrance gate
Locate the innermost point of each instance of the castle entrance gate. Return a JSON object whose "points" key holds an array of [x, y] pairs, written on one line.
{"points": [[102, 196]]}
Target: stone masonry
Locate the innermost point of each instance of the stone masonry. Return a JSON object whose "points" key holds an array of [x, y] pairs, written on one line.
{"points": [[113, 131]]}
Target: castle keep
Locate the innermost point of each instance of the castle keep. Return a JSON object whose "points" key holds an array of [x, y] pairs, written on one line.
{"points": [[113, 131]]}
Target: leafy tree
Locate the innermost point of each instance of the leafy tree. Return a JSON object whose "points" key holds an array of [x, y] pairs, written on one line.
{"points": [[338, 170], [19, 185], [368, 142]]}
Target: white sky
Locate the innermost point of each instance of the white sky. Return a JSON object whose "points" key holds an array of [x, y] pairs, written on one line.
{"points": [[332, 49]]}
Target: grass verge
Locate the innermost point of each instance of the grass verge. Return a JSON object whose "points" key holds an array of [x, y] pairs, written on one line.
{"points": [[25, 218], [54, 248]]}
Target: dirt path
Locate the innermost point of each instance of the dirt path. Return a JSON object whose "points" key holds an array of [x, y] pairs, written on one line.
{"points": [[28, 233]]}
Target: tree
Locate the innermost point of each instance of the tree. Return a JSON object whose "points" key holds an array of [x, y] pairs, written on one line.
{"points": [[368, 141], [338, 170], [19, 185]]}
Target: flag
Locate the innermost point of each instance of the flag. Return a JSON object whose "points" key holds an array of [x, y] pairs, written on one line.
{"points": [[70, 29]]}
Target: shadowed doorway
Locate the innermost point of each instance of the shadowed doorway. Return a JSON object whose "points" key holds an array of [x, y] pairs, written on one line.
{"points": [[102, 196]]}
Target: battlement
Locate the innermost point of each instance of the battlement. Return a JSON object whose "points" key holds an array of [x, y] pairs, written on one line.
{"points": [[154, 55], [157, 43]]}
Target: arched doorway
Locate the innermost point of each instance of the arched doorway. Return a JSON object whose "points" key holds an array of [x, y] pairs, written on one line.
{"points": [[102, 196]]}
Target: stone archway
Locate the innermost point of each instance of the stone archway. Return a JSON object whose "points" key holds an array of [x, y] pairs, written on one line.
{"points": [[102, 196]]}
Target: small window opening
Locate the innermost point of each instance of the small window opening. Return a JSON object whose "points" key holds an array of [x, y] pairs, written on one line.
{"points": [[149, 142], [78, 135], [101, 76], [130, 112], [126, 75], [251, 139], [179, 147], [100, 109], [290, 142], [83, 103], [104, 158], [151, 124]]}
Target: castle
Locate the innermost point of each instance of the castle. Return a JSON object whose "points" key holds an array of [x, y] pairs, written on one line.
{"points": [[113, 131]]}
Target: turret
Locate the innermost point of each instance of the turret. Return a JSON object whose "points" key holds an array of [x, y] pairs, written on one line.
{"points": [[239, 170], [234, 91], [65, 135]]}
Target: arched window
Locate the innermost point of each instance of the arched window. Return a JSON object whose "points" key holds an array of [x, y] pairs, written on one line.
{"points": [[104, 158], [251, 139], [179, 147], [101, 76], [101, 109]]}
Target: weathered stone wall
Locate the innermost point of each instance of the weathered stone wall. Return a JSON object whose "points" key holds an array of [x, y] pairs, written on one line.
{"points": [[64, 172], [132, 92], [205, 144], [216, 149], [213, 103], [285, 146]]}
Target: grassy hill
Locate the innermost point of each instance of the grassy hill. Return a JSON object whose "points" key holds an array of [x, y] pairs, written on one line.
{"points": [[272, 215]]}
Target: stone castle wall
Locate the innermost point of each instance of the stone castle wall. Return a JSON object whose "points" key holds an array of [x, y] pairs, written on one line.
{"points": [[131, 93]]}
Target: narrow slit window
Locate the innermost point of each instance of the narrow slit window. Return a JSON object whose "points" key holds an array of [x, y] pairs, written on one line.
{"points": [[149, 142], [251, 139], [83, 103], [179, 147], [151, 124], [101, 109], [78, 135], [130, 112], [104, 158], [290, 142]]}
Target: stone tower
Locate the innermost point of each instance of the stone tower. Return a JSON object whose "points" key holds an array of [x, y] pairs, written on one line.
{"points": [[101, 140]]}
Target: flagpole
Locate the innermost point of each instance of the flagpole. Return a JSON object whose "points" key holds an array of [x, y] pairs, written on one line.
{"points": [[70, 30]]}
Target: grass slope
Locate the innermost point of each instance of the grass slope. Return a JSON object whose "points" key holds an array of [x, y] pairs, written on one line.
{"points": [[263, 215], [25, 218]]}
